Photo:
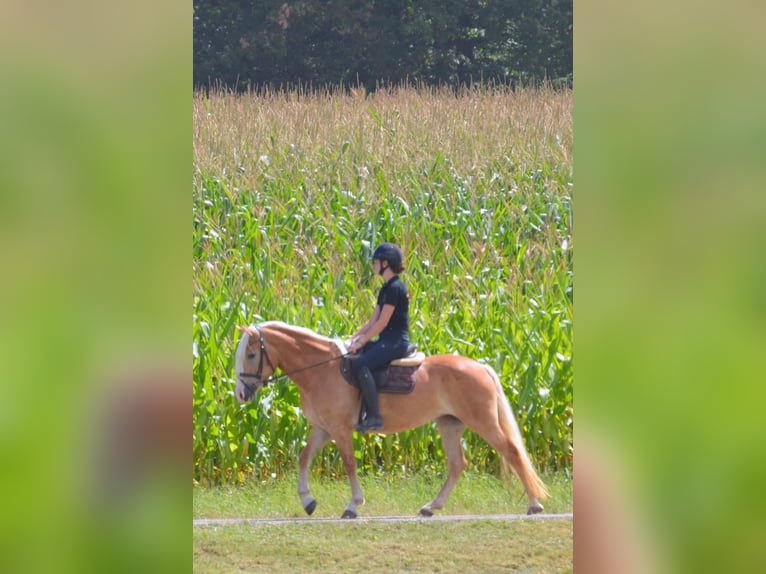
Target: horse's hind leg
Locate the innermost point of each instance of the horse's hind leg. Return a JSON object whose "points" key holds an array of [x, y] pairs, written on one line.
{"points": [[518, 460], [450, 429], [317, 439]]}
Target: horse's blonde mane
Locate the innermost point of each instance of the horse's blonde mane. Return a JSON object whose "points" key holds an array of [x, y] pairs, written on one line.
{"points": [[239, 357]]}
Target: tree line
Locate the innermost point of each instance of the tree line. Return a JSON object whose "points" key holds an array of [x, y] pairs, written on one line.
{"points": [[369, 43]]}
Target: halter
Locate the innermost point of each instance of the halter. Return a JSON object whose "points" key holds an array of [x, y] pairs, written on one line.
{"points": [[258, 376]]}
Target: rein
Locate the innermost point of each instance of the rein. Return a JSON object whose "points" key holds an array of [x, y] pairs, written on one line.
{"points": [[258, 376], [304, 368]]}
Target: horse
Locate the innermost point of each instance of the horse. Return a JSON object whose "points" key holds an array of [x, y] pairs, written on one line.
{"points": [[455, 391]]}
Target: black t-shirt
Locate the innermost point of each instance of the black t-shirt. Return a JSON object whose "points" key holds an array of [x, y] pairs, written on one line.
{"points": [[394, 292]]}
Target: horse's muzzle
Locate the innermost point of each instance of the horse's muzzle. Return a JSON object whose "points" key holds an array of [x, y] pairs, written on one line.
{"points": [[248, 393], [249, 389]]}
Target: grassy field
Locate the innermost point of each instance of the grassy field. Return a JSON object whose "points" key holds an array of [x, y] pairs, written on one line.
{"points": [[386, 495], [471, 546], [293, 190], [422, 546]]}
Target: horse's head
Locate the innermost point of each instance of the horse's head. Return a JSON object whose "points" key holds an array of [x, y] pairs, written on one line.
{"points": [[250, 359]]}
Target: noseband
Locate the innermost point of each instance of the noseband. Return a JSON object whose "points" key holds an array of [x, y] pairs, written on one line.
{"points": [[258, 376]]}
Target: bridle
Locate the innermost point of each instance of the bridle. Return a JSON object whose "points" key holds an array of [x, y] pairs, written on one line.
{"points": [[259, 375], [264, 353]]}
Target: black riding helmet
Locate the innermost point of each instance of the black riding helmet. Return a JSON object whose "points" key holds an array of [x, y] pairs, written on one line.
{"points": [[389, 252]]}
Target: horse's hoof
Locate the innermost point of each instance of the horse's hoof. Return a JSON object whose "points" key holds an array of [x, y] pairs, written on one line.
{"points": [[425, 513], [310, 507], [535, 509], [349, 514]]}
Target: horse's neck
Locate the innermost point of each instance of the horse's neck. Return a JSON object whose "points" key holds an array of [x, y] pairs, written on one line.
{"points": [[297, 347]]}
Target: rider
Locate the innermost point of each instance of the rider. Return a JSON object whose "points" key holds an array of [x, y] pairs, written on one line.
{"points": [[391, 321]]}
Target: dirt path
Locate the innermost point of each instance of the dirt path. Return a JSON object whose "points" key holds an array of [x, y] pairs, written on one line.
{"points": [[447, 518]]}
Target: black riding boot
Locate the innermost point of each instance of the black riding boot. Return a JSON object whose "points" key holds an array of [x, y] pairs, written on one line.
{"points": [[370, 395]]}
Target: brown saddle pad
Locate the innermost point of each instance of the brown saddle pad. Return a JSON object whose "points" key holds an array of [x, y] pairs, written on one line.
{"points": [[391, 379]]}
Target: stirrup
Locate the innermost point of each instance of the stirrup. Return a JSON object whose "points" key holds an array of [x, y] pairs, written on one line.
{"points": [[370, 424]]}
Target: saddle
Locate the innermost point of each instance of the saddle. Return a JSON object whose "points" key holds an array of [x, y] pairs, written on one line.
{"points": [[398, 377]]}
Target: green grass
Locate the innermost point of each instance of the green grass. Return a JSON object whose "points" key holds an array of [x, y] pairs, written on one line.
{"points": [[424, 546], [291, 194], [385, 496]]}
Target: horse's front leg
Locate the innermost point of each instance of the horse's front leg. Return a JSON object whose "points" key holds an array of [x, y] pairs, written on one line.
{"points": [[345, 444], [317, 439]]}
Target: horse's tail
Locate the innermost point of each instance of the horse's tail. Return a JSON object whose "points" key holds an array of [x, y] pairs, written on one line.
{"points": [[510, 428]]}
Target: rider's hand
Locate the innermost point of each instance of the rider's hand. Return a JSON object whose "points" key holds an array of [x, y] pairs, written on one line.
{"points": [[355, 345]]}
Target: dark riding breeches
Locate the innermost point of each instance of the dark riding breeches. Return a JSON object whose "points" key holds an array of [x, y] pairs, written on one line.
{"points": [[379, 353]]}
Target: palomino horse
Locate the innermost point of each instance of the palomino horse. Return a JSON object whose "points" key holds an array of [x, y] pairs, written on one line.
{"points": [[456, 392]]}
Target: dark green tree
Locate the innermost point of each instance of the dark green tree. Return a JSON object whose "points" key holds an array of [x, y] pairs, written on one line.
{"points": [[345, 42]]}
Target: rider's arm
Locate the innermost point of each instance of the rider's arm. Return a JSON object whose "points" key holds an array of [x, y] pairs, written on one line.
{"points": [[373, 327], [384, 316], [366, 327]]}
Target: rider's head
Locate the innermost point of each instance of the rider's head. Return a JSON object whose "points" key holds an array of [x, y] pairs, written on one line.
{"points": [[392, 255]]}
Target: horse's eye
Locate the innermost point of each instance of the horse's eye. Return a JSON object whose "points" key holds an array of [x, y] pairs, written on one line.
{"points": [[251, 355]]}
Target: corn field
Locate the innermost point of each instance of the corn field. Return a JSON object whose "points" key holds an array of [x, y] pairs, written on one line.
{"points": [[292, 192]]}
